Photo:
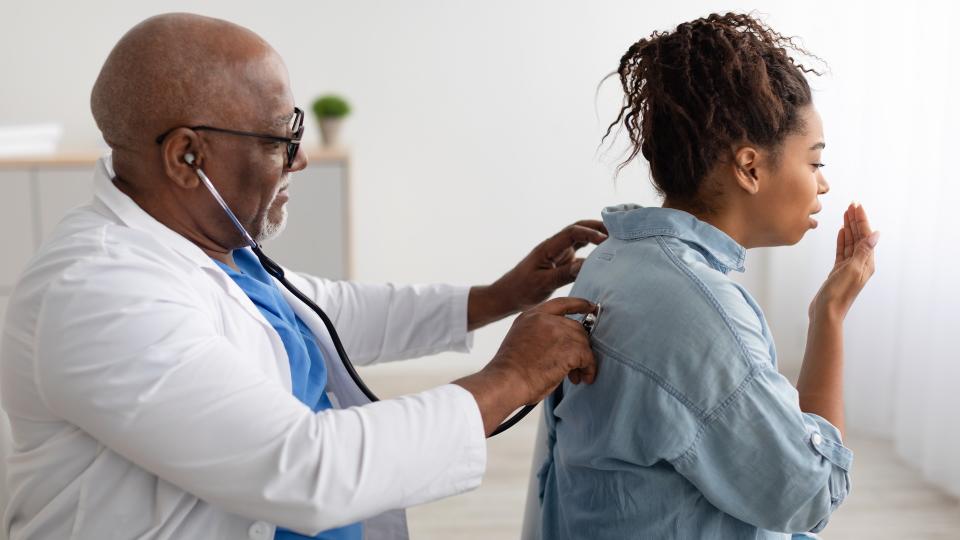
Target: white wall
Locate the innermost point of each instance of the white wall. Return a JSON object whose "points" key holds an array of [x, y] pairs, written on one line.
{"points": [[475, 132], [475, 129]]}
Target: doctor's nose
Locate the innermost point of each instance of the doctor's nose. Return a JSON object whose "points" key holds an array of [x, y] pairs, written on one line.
{"points": [[300, 160]]}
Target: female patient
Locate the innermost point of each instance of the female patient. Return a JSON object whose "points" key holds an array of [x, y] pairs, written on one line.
{"points": [[689, 430]]}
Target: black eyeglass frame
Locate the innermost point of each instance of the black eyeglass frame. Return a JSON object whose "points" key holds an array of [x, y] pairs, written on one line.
{"points": [[293, 143]]}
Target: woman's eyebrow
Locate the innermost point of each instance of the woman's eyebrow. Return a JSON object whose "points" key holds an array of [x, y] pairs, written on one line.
{"points": [[819, 146]]}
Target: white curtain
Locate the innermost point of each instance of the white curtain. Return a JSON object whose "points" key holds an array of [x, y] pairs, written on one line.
{"points": [[926, 405], [892, 119]]}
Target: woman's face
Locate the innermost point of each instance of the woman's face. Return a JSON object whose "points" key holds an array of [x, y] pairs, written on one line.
{"points": [[786, 204]]}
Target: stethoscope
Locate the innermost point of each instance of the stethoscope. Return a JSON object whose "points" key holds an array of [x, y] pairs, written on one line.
{"points": [[275, 270]]}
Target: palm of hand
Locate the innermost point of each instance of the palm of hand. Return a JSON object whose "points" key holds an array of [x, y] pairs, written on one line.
{"points": [[852, 268]]}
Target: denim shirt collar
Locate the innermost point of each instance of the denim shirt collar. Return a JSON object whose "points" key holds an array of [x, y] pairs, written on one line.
{"points": [[632, 222]]}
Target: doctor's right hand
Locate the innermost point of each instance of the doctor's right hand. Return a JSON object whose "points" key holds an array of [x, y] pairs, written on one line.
{"points": [[542, 347]]}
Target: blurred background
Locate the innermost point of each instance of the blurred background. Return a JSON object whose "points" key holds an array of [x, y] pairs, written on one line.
{"points": [[474, 133]]}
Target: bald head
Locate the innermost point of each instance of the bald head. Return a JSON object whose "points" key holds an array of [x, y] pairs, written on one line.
{"points": [[182, 69]]}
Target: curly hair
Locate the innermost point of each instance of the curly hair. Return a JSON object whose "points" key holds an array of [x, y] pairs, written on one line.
{"points": [[692, 94]]}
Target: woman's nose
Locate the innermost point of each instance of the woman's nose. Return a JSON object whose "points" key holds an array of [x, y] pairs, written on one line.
{"points": [[822, 184]]}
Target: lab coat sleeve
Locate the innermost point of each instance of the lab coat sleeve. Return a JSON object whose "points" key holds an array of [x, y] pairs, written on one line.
{"points": [[384, 322], [127, 354]]}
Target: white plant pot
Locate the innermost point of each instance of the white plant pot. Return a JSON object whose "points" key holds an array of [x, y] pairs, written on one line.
{"points": [[330, 131]]}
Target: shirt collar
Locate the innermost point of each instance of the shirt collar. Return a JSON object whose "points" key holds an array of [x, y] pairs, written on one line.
{"points": [[130, 213], [632, 222]]}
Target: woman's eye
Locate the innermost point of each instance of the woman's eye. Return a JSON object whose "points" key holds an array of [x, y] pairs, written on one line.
{"points": [[818, 165]]}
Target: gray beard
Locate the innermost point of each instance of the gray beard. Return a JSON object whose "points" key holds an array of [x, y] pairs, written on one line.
{"points": [[269, 229]]}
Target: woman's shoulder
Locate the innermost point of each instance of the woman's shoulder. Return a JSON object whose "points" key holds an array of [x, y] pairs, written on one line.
{"points": [[666, 276], [688, 328]]}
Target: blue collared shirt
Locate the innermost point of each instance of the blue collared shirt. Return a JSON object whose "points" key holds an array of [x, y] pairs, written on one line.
{"points": [[689, 430], [308, 373]]}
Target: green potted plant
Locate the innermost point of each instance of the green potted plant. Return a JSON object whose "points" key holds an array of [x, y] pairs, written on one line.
{"points": [[330, 110]]}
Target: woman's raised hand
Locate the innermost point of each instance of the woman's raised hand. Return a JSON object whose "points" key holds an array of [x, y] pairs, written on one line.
{"points": [[852, 268]]}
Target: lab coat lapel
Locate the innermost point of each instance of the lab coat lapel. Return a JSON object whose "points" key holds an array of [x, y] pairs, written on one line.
{"points": [[390, 525], [231, 289], [130, 213], [345, 393]]}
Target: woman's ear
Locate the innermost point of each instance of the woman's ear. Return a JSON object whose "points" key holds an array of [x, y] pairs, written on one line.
{"points": [[746, 163]]}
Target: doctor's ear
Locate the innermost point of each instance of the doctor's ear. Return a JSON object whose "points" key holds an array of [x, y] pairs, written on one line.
{"points": [[747, 162], [181, 156]]}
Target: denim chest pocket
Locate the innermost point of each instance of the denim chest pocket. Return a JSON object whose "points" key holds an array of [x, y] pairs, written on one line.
{"points": [[606, 255]]}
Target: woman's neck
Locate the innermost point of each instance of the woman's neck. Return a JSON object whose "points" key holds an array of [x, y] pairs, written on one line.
{"points": [[723, 219]]}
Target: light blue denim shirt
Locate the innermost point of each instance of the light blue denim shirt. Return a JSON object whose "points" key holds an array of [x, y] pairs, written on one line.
{"points": [[689, 430]]}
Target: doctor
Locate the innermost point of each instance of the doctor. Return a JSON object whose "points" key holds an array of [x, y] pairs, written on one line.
{"points": [[161, 386]]}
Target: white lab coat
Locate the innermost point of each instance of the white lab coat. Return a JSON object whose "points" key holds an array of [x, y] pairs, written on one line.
{"points": [[149, 399]]}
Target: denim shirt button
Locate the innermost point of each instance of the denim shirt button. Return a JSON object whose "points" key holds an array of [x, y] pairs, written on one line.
{"points": [[816, 439]]}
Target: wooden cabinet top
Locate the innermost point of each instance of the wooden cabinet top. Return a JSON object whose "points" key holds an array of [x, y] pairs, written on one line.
{"points": [[79, 159]]}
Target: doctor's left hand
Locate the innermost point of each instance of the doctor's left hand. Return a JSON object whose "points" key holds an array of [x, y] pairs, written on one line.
{"points": [[551, 265]]}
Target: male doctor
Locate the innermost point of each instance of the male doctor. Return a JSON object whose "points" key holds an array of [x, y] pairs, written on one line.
{"points": [[161, 386]]}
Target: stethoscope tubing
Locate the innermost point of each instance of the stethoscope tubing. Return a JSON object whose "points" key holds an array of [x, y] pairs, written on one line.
{"points": [[276, 271]]}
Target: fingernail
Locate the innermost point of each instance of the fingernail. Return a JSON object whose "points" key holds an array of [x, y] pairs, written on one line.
{"points": [[873, 239]]}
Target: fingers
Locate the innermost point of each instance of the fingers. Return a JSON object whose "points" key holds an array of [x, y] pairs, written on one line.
{"points": [[847, 236], [586, 374], [575, 267], [857, 228], [574, 236], [566, 306], [594, 224], [567, 273], [861, 223], [864, 250], [841, 235], [850, 220]]}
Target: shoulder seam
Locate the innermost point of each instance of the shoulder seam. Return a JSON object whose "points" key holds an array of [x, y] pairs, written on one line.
{"points": [[686, 454], [709, 296], [753, 368]]}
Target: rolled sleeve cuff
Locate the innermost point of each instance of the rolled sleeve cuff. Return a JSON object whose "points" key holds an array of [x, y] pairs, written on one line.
{"points": [[825, 439]]}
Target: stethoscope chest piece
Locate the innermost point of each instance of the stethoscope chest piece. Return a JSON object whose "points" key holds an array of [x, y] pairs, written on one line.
{"points": [[590, 320]]}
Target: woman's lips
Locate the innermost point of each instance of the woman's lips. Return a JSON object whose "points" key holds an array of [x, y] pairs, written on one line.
{"points": [[813, 222]]}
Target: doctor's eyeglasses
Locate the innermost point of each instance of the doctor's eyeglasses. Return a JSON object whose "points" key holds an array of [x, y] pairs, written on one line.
{"points": [[293, 143]]}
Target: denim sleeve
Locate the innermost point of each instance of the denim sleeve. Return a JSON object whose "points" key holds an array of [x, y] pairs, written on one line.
{"points": [[760, 459]]}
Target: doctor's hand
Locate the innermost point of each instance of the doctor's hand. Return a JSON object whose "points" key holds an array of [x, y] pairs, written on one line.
{"points": [[541, 348], [551, 265], [853, 267]]}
